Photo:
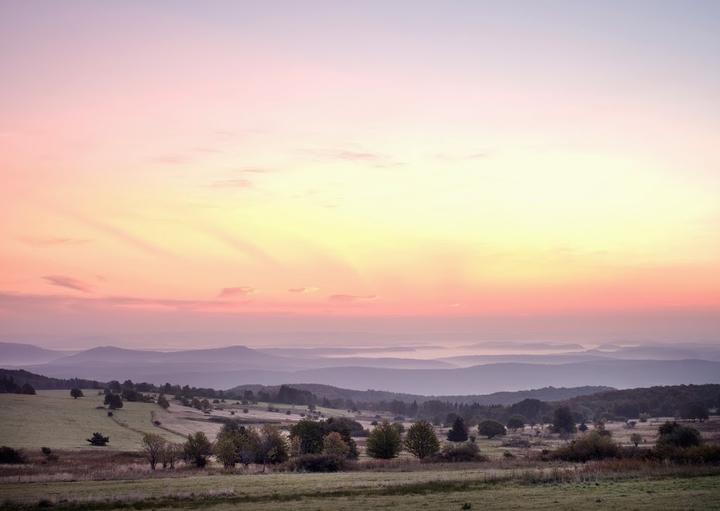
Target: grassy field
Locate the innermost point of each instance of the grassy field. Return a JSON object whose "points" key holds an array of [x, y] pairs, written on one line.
{"points": [[52, 418], [481, 489]]}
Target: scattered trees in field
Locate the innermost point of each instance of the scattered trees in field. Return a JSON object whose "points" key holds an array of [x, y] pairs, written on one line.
{"points": [[153, 446], [197, 448], [384, 441], [458, 432], [491, 429], [563, 421], [98, 439], [76, 393], [421, 440]]}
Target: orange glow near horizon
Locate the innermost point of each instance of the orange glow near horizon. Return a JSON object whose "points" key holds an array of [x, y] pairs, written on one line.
{"points": [[200, 168]]}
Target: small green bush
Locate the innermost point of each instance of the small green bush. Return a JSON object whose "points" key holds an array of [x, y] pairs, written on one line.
{"points": [[459, 452], [316, 463], [593, 446]]}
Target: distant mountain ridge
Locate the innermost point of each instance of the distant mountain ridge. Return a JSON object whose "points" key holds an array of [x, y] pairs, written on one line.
{"points": [[228, 367]]}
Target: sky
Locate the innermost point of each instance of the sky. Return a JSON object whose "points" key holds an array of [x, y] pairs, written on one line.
{"points": [[192, 173]]}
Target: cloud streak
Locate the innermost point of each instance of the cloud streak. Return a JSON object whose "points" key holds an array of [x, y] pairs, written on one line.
{"points": [[229, 292], [67, 282]]}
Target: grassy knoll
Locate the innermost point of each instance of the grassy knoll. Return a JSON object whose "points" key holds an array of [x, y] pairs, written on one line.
{"points": [[374, 490], [53, 418]]}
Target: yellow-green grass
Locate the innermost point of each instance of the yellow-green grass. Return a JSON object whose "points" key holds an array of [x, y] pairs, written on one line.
{"points": [[373, 490], [52, 418]]}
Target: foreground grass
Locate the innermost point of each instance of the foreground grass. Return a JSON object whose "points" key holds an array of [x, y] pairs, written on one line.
{"points": [[482, 489]]}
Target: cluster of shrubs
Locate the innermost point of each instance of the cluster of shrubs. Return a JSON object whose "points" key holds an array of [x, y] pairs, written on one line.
{"points": [[676, 442], [8, 455]]}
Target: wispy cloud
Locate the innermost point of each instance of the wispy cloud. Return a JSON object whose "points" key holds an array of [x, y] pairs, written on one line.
{"points": [[67, 282], [125, 237], [232, 183], [341, 298], [51, 241], [304, 290], [229, 292], [247, 248]]}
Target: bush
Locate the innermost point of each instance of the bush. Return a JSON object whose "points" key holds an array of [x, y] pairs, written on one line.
{"points": [[708, 453], [421, 440], [458, 432], [316, 463], [384, 441], [490, 428], [76, 393], [466, 451], [8, 455], [98, 440], [27, 389], [49, 455], [592, 446], [673, 434]]}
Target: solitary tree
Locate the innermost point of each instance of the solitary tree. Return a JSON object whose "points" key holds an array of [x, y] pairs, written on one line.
{"points": [[114, 401], [490, 428], [163, 402], [458, 432], [76, 393], [197, 449], [153, 446], [635, 438], [384, 441], [563, 421], [421, 440]]}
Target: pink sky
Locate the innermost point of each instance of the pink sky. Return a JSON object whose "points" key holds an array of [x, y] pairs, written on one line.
{"points": [[527, 172]]}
